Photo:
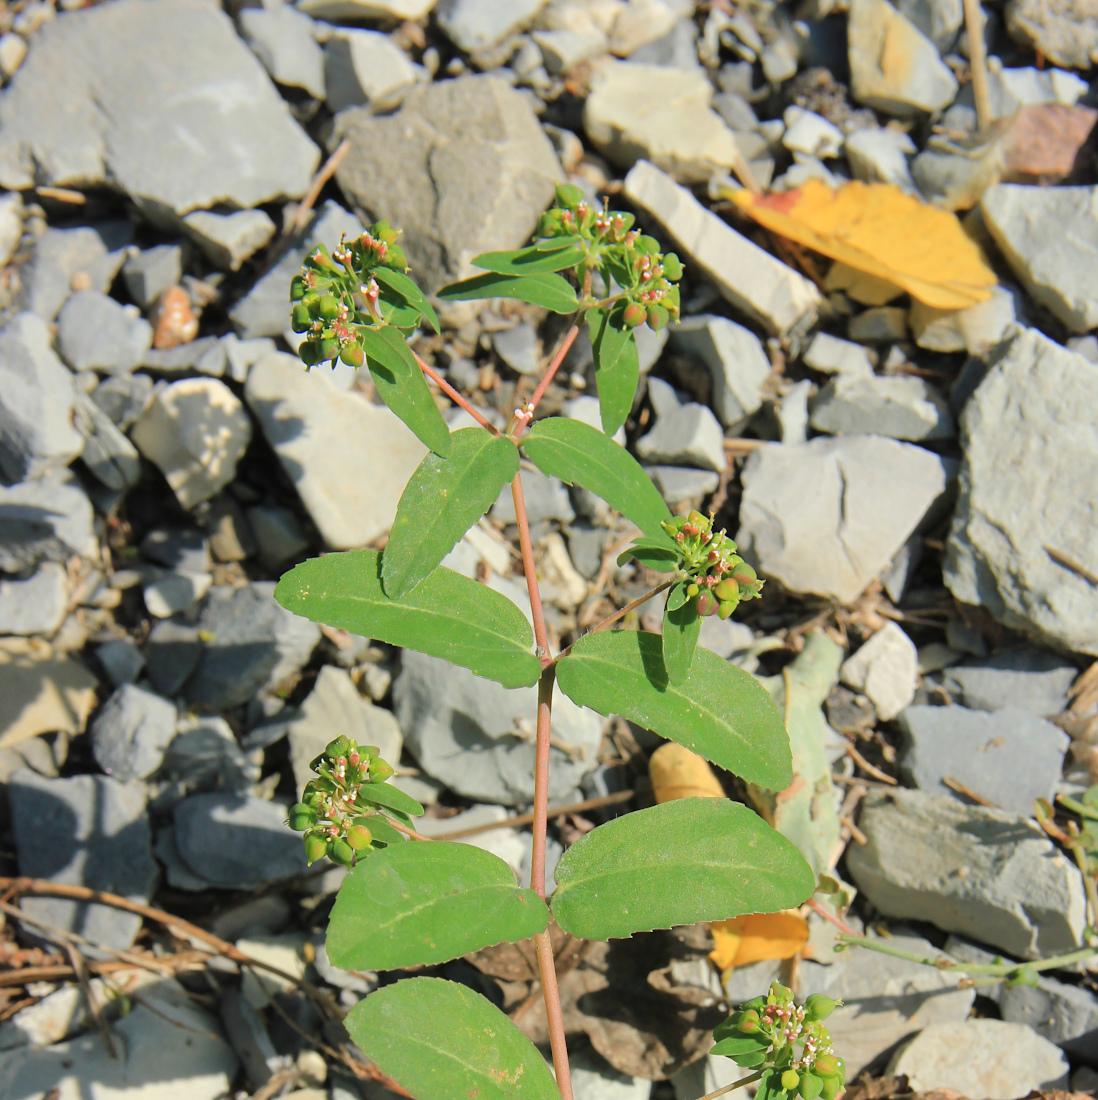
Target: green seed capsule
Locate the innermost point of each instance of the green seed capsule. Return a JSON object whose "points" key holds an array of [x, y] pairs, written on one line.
{"points": [[297, 288], [342, 853], [727, 590], [380, 770], [726, 607], [300, 318], [302, 817], [328, 307], [810, 1087], [748, 1016], [352, 355], [707, 603], [831, 1088], [329, 349], [311, 300], [634, 315], [827, 1065], [672, 267], [309, 353], [819, 1005], [657, 317], [359, 837], [790, 1080], [315, 848]]}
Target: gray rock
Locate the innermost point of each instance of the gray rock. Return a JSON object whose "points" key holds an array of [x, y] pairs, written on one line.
{"points": [[468, 170], [1063, 1014], [110, 456], [1017, 892], [546, 498], [476, 26], [366, 67], [11, 217], [131, 732], [204, 356], [300, 412], [1033, 679], [124, 398], [725, 637], [881, 156], [478, 737], [562, 50], [792, 412], [586, 409], [172, 653], [284, 40], [265, 309], [238, 843], [685, 434], [900, 407], [1030, 473], [1010, 757], [810, 134], [906, 79], [136, 83], [677, 49], [184, 549], [48, 519], [748, 277], [333, 705], [227, 240], [240, 355], [736, 359], [254, 644], [884, 669], [975, 329], [244, 1027], [681, 485], [1065, 31], [90, 830], [585, 546], [829, 515], [830, 355], [940, 20], [122, 661], [518, 348], [36, 605], [36, 395], [1047, 236], [96, 333], [148, 274], [982, 1059], [735, 111], [593, 1078], [879, 325], [64, 256], [195, 430], [278, 535], [230, 536], [203, 756], [173, 593]]}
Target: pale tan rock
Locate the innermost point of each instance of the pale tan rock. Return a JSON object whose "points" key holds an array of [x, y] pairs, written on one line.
{"points": [[41, 692]]}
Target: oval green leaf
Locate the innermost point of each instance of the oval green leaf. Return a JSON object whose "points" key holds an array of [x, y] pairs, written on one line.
{"points": [[719, 711], [552, 255], [441, 1041], [422, 903], [617, 369], [442, 500], [401, 385], [690, 860], [579, 454], [392, 798], [447, 616], [681, 629], [407, 289], [547, 290]]}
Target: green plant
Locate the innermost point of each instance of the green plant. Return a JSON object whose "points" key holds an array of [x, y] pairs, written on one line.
{"points": [[408, 903]]}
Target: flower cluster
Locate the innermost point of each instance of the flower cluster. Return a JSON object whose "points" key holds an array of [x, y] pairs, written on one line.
{"points": [[646, 277], [338, 291], [765, 1035], [719, 577], [330, 815]]}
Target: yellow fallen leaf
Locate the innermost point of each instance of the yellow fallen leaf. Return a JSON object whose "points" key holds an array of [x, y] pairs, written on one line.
{"points": [[749, 939], [878, 229], [676, 772]]}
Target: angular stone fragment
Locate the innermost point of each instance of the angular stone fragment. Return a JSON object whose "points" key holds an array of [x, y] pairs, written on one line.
{"points": [[283, 38], [478, 25], [131, 732], [899, 407], [985, 873], [47, 519], [94, 332], [35, 605], [1021, 544], [366, 67], [884, 669], [229, 239], [1065, 31], [685, 433]]}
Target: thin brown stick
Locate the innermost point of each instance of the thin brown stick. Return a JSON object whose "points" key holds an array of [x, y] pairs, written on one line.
{"points": [[865, 765], [859, 837], [527, 818], [456, 397], [963, 788], [1061, 558], [326, 172], [100, 1020], [62, 194], [977, 58], [406, 831]]}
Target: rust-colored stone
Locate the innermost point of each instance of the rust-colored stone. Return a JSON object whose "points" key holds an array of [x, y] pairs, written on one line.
{"points": [[173, 319]]}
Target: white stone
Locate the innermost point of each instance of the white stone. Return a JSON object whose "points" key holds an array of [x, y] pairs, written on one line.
{"points": [[13, 50], [350, 489], [36, 605], [975, 329], [792, 412], [747, 276], [586, 409], [476, 26], [285, 951], [644, 21], [363, 66], [809, 133], [685, 433], [175, 592], [195, 430], [830, 355], [413, 10], [283, 38], [900, 406], [563, 50], [885, 669], [880, 156], [229, 239], [11, 217]]}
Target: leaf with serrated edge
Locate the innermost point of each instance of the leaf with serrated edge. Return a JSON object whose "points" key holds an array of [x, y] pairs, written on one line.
{"points": [[392, 798], [617, 371], [407, 289], [442, 500], [720, 712], [441, 1041], [546, 290], [694, 859], [581, 455], [447, 616], [424, 903], [681, 630]]}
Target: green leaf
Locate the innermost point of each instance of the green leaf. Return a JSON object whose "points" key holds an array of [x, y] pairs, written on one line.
{"points": [[423, 903], [402, 387], [719, 712], [407, 289], [579, 454], [734, 1044], [550, 291], [617, 369], [656, 554], [442, 500], [555, 254], [447, 616], [441, 1041], [690, 860], [681, 627], [395, 311], [392, 798]]}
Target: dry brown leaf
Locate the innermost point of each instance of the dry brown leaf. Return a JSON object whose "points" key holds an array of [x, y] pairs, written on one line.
{"points": [[759, 936], [676, 772], [883, 232]]}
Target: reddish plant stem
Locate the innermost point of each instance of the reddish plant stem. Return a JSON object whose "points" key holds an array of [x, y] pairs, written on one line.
{"points": [[543, 385], [456, 397], [541, 779], [541, 636], [557, 1043]]}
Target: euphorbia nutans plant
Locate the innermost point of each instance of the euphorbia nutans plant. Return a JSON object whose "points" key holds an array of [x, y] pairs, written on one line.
{"points": [[409, 904]]}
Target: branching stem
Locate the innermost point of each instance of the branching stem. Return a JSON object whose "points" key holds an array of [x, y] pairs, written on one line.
{"points": [[735, 1085]]}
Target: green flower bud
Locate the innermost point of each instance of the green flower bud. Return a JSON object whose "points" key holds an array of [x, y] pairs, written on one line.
{"points": [[339, 747], [352, 355], [747, 1021], [568, 195], [310, 300], [827, 1065], [790, 1080], [342, 853], [691, 591], [672, 267], [831, 1088], [300, 318], [810, 1087], [315, 848], [302, 817], [634, 315], [380, 770], [819, 1006], [1024, 975], [657, 317], [697, 519], [384, 232], [359, 837]]}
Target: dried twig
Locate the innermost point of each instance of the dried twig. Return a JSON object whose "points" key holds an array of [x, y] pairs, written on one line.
{"points": [[962, 788], [977, 56], [866, 766], [1061, 558], [326, 172]]}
